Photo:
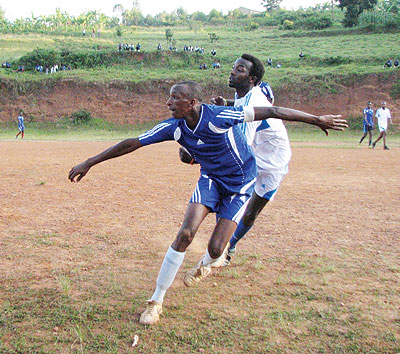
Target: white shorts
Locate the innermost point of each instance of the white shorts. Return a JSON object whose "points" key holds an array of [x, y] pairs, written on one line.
{"points": [[272, 158], [382, 128]]}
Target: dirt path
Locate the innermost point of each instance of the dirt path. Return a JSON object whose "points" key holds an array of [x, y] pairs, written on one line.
{"points": [[337, 208]]}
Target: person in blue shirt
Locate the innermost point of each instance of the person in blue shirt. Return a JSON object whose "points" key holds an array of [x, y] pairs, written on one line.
{"points": [[368, 123], [212, 136], [21, 125]]}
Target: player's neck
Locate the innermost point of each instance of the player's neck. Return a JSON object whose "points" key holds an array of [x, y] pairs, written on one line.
{"points": [[243, 91], [193, 118]]}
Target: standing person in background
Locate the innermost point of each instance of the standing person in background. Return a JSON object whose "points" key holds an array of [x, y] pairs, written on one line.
{"points": [[21, 125], [368, 123], [382, 116]]}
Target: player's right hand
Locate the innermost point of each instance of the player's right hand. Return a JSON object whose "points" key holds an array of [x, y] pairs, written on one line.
{"points": [[78, 170], [184, 155], [218, 101]]}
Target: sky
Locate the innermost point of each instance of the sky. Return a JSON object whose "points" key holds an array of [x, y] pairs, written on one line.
{"points": [[24, 8]]}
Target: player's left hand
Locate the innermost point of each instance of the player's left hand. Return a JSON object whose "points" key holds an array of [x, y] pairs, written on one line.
{"points": [[79, 170], [332, 122]]}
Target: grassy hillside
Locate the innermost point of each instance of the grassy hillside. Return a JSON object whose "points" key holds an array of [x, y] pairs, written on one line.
{"points": [[331, 53]]}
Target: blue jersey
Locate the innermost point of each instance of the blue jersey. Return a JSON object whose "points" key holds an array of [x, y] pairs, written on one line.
{"points": [[216, 143], [21, 125], [368, 114]]}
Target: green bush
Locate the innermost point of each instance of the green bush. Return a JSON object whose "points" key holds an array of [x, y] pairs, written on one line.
{"points": [[252, 27], [315, 22], [81, 117], [288, 25]]}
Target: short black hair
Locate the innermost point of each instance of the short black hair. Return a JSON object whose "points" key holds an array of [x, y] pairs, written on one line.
{"points": [[257, 69], [194, 90]]}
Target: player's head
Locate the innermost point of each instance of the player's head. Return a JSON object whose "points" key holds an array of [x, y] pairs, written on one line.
{"points": [[383, 104], [369, 103], [247, 71], [183, 97]]}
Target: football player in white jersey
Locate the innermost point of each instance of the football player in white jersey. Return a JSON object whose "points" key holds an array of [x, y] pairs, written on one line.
{"points": [[268, 140]]}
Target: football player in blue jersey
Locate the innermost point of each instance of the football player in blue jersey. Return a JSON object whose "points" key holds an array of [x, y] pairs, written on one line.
{"points": [[211, 134], [21, 125], [368, 123]]}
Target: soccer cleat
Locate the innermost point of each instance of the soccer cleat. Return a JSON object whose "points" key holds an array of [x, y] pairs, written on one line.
{"points": [[152, 313], [194, 275], [386, 148], [373, 145], [229, 255]]}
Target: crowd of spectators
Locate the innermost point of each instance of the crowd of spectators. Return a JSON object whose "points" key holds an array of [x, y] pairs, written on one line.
{"points": [[391, 63], [129, 47]]}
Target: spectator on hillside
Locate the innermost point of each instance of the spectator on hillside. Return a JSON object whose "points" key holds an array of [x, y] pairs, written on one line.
{"points": [[278, 65], [6, 65], [213, 53], [388, 64], [83, 33], [216, 65], [138, 46], [301, 55], [269, 62], [159, 47], [21, 68], [396, 63]]}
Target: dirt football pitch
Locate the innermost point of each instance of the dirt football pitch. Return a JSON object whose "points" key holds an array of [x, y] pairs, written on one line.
{"points": [[329, 242]]}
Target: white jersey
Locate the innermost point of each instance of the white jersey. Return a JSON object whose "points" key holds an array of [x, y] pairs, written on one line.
{"points": [[269, 142], [382, 115]]}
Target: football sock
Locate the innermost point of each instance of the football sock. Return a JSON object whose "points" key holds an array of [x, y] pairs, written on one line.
{"points": [[241, 230], [208, 261], [172, 261]]}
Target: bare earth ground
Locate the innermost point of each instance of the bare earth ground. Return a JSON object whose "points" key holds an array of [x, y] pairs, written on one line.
{"points": [[332, 235]]}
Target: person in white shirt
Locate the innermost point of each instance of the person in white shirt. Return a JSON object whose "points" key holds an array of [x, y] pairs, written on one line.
{"points": [[382, 116]]}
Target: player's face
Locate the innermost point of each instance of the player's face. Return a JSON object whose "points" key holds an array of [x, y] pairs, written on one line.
{"points": [[240, 74], [178, 103]]}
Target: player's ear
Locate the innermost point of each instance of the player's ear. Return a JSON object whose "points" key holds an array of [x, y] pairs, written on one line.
{"points": [[253, 79]]}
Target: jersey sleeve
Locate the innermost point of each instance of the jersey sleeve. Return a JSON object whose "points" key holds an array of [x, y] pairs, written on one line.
{"points": [[161, 132], [226, 117]]}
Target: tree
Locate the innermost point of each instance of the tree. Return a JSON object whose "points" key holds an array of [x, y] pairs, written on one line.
{"points": [[354, 8], [392, 6], [198, 16], [271, 5]]}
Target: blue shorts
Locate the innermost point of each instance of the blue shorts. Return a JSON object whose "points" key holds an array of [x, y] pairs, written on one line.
{"points": [[368, 128], [219, 200]]}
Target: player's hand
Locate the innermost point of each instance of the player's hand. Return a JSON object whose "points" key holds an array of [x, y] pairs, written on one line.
{"points": [[332, 122], [184, 155], [218, 101], [79, 170]]}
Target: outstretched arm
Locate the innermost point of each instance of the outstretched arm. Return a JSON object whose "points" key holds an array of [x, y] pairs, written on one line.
{"points": [[325, 122], [124, 147], [221, 101]]}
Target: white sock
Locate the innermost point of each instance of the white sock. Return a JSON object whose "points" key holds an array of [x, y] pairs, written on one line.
{"points": [[172, 261], [208, 261]]}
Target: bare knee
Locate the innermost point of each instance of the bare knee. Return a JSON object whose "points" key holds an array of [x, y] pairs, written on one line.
{"points": [[183, 239], [216, 248]]}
